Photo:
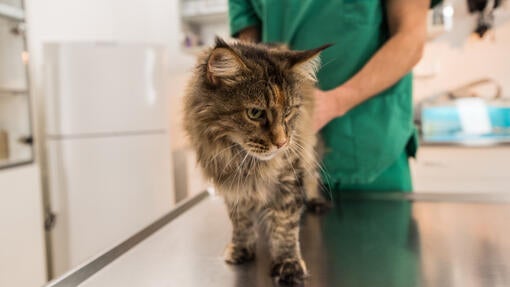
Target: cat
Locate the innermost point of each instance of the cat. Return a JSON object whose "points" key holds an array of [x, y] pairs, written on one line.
{"points": [[248, 114]]}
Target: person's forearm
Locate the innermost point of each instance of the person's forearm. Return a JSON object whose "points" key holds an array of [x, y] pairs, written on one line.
{"points": [[250, 34], [395, 59], [407, 27]]}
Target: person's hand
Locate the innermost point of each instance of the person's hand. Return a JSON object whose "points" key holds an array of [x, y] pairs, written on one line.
{"points": [[327, 107]]}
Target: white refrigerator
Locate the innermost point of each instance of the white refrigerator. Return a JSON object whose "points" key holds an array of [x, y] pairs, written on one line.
{"points": [[106, 137]]}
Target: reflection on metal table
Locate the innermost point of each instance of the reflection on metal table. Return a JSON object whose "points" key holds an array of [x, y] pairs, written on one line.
{"points": [[375, 240]]}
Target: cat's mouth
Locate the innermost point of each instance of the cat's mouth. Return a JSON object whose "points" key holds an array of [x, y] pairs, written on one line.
{"points": [[264, 156], [267, 155], [264, 153]]}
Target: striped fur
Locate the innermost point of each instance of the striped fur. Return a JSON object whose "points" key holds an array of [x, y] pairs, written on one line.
{"points": [[262, 184]]}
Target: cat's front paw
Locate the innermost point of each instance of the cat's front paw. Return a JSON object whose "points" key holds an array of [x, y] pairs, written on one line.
{"points": [[239, 254], [289, 272]]}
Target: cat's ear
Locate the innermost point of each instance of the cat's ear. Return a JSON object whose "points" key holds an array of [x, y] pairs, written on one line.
{"points": [[224, 65], [306, 63]]}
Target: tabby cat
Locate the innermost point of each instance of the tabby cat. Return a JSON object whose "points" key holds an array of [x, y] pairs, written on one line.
{"points": [[248, 114]]}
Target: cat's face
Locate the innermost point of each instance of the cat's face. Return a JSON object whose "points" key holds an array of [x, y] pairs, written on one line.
{"points": [[256, 95], [262, 119]]}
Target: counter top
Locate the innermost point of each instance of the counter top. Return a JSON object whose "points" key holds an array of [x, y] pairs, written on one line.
{"points": [[379, 240], [479, 144]]}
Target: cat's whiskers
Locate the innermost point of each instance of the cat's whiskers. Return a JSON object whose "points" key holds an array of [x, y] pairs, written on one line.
{"points": [[242, 162], [232, 159], [311, 169], [220, 152], [235, 188], [232, 186], [311, 166], [240, 168], [235, 182], [249, 163], [327, 63], [306, 155]]}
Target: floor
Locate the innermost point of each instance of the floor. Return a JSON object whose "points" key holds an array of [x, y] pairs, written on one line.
{"points": [[360, 242]]}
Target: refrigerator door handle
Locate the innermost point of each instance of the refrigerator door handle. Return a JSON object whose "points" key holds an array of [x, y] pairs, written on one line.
{"points": [[50, 220]]}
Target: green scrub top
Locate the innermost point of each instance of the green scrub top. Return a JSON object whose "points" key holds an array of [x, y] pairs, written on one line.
{"points": [[367, 140]]}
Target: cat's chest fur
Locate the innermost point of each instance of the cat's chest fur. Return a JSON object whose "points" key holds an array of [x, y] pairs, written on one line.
{"points": [[247, 178]]}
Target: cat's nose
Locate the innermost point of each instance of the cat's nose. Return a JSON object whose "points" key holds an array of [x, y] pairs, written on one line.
{"points": [[280, 142]]}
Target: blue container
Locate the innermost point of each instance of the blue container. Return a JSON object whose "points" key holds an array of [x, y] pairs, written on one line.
{"points": [[442, 124]]}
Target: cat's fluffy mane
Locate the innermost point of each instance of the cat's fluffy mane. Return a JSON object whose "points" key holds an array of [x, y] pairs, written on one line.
{"points": [[217, 154]]}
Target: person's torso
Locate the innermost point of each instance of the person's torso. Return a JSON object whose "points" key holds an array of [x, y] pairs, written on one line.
{"points": [[365, 141]]}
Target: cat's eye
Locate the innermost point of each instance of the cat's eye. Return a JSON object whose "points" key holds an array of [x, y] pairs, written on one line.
{"points": [[256, 114]]}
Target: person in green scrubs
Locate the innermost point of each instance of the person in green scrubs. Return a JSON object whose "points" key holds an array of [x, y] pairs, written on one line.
{"points": [[364, 98]]}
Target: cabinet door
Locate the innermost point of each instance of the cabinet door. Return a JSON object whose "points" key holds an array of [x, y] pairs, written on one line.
{"points": [[97, 183], [15, 126], [461, 169]]}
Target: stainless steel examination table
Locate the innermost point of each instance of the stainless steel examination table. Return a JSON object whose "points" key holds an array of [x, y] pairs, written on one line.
{"points": [[373, 240]]}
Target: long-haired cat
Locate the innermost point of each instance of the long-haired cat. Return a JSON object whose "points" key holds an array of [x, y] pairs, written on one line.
{"points": [[248, 113]]}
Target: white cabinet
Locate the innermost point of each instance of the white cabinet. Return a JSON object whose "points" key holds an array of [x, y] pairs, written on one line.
{"points": [[22, 252], [462, 169], [103, 191]]}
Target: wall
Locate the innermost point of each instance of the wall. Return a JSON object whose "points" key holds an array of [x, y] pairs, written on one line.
{"points": [[459, 58], [141, 21], [22, 257], [451, 61]]}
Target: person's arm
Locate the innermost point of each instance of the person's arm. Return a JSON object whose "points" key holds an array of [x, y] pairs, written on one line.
{"points": [[244, 22], [250, 34], [407, 24]]}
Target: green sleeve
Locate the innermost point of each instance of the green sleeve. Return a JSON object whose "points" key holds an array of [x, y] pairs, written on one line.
{"points": [[241, 15], [434, 3]]}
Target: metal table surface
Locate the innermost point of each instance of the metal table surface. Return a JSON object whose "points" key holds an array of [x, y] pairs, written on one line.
{"points": [[381, 241]]}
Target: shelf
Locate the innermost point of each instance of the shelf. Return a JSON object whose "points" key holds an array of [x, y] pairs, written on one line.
{"points": [[4, 163], [13, 92], [11, 12], [435, 32], [195, 50], [205, 18]]}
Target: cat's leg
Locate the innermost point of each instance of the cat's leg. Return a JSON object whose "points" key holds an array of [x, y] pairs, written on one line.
{"points": [[241, 249], [315, 200], [281, 221]]}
